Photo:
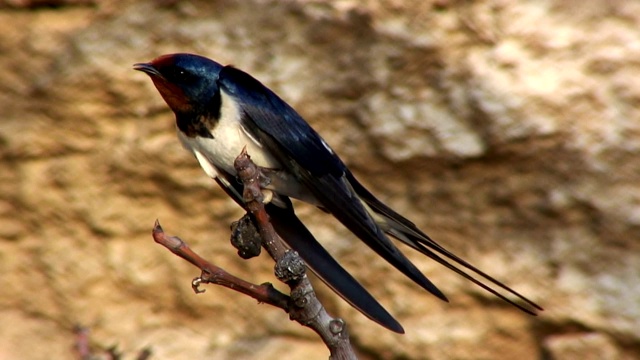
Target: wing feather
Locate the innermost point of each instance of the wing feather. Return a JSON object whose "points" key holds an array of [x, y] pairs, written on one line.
{"points": [[303, 152]]}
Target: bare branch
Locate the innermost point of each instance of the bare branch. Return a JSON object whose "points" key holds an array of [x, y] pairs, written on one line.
{"points": [[213, 274], [303, 305], [290, 268]]}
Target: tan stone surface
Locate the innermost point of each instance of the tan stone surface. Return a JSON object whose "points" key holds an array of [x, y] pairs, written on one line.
{"points": [[508, 130]]}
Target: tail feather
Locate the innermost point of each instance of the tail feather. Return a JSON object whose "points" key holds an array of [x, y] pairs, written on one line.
{"points": [[419, 246], [296, 235], [406, 231]]}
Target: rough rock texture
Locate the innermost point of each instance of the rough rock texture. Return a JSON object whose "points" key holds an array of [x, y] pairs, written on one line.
{"points": [[509, 130]]}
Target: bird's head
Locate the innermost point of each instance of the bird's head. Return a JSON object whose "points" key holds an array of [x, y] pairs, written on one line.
{"points": [[187, 83]]}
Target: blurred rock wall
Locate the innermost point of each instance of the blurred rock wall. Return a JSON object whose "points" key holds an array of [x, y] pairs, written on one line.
{"points": [[509, 130]]}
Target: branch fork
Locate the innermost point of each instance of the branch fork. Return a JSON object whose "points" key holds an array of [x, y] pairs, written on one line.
{"points": [[302, 304]]}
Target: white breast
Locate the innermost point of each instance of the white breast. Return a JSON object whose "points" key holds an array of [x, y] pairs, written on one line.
{"points": [[229, 137]]}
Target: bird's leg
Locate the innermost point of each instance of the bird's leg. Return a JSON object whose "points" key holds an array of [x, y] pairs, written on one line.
{"points": [[264, 179], [267, 196]]}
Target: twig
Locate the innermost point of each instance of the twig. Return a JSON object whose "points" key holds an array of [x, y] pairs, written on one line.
{"points": [[82, 342], [213, 274]]}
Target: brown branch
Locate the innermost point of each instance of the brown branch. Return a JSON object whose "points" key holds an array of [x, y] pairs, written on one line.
{"points": [[290, 268], [303, 305], [82, 342], [212, 274]]}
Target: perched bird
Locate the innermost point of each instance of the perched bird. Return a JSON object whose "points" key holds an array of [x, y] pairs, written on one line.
{"points": [[220, 110]]}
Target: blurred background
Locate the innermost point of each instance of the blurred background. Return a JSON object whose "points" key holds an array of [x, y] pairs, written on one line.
{"points": [[508, 130]]}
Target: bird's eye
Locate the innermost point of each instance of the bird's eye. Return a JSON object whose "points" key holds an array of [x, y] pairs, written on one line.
{"points": [[178, 74]]}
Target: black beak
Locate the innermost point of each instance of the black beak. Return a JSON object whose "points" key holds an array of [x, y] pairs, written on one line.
{"points": [[146, 68]]}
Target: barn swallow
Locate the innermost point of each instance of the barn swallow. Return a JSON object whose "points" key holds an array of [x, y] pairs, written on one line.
{"points": [[220, 110]]}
